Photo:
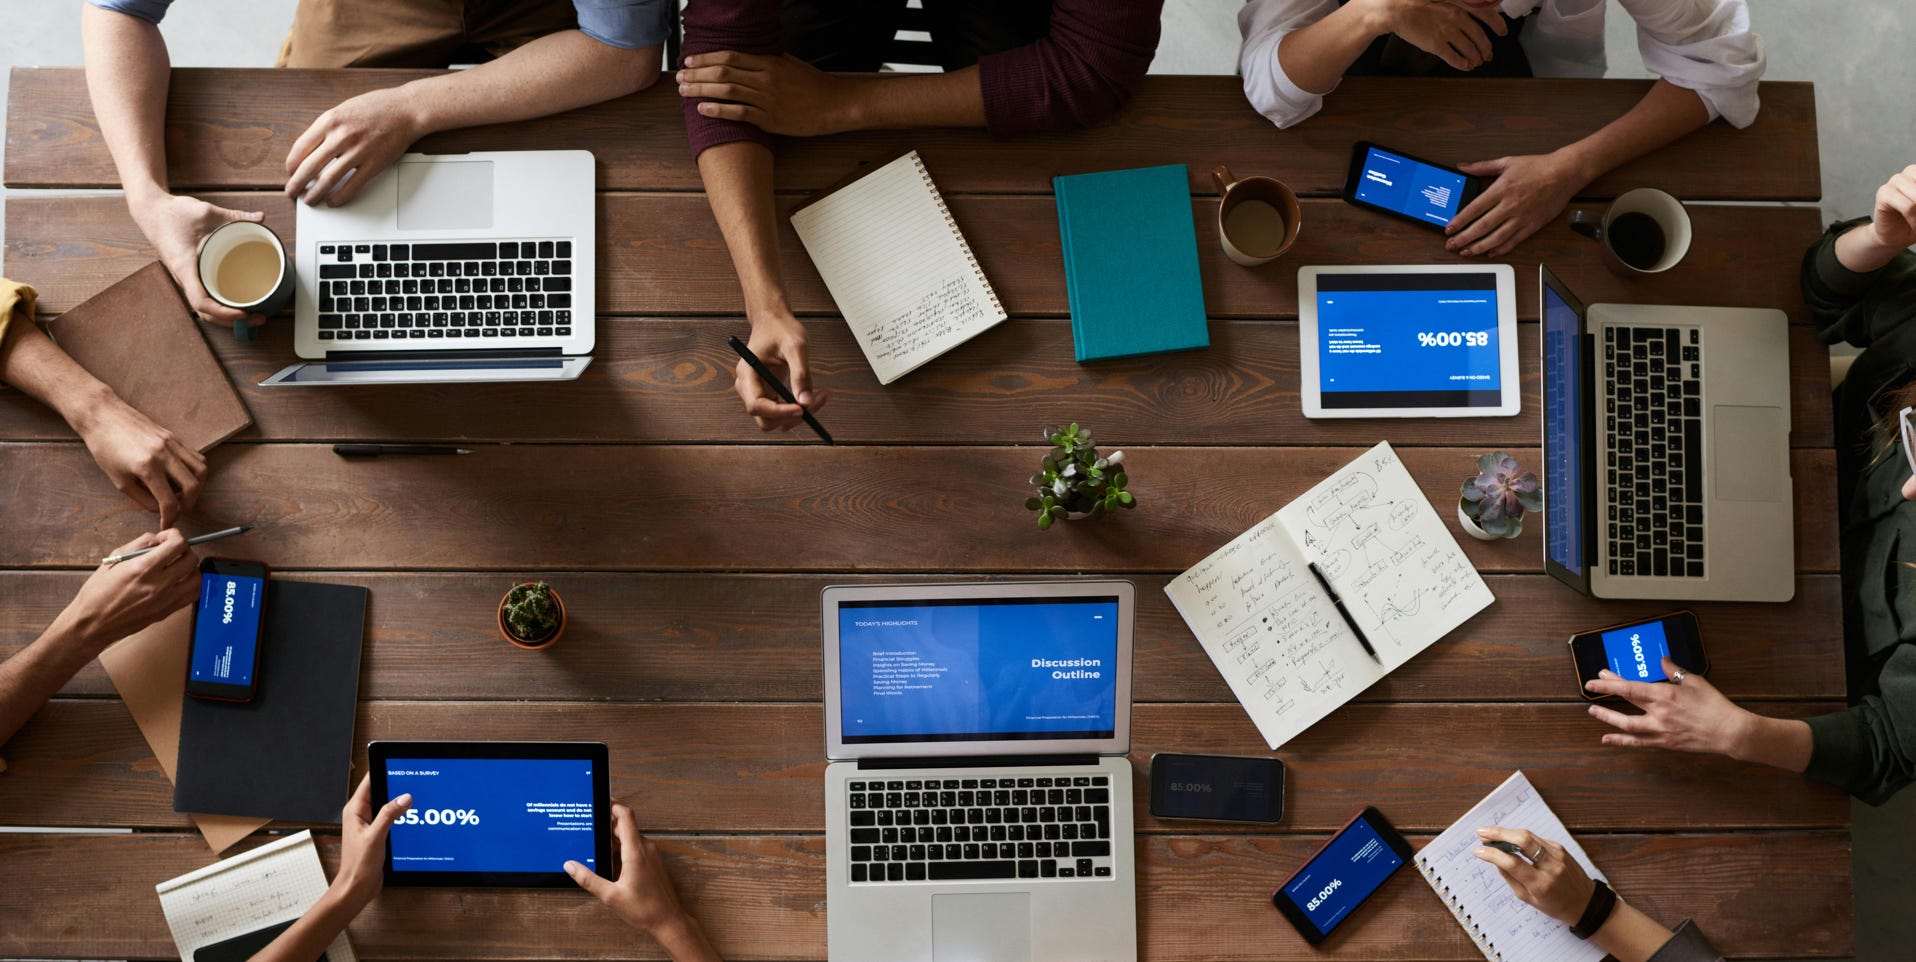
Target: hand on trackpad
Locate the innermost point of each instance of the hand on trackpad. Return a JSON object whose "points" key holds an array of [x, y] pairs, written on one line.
{"points": [[445, 194], [993, 927], [1747, 441]]}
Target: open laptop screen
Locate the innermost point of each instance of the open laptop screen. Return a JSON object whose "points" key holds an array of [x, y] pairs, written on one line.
{"points": [[998, 669], [1564, 425]]}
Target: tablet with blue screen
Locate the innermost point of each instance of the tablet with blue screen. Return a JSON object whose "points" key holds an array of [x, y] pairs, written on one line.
{"points": [[1405, 341], [494, 814]]}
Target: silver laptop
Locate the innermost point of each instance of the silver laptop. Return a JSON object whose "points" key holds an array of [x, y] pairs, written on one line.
{"points": [[450, 268], [979, 802], [1666, 445]]}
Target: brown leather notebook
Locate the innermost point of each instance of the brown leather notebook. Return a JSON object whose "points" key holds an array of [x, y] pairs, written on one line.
{"points": [[140, 338]]}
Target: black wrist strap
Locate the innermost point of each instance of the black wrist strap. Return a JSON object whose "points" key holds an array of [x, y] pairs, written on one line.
{"points": [[1603, 901]]}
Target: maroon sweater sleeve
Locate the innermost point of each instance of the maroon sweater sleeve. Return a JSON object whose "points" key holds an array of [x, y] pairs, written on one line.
{"points": [[748, 26], [1081, 74]]}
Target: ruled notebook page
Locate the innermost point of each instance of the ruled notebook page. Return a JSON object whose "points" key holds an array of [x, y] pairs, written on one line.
{"points": [[899, 270], [1504, 928]]}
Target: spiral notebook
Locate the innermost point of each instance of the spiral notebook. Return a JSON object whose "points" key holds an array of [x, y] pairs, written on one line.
{"points": [[897, 266], [1504, 928]]}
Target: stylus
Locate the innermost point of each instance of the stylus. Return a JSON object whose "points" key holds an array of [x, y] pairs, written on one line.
{"points": [[114, 559], [765, 374], [1346, 612]]}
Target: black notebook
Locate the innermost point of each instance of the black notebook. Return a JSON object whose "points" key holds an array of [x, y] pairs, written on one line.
{"points": [[287, 754]]}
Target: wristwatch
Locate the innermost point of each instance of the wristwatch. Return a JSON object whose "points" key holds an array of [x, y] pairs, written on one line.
{"points": [[1603, 901]]}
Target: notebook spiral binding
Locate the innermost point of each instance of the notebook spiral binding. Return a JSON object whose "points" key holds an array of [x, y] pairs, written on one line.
{"points": [[1477, 935], [938, 196]]}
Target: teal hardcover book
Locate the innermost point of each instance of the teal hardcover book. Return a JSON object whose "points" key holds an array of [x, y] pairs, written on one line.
{"points": [[1130, 262]]}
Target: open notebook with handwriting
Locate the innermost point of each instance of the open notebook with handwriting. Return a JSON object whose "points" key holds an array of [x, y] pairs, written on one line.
{"points": [[897, 267], [1272, 631], [1504, 928]]}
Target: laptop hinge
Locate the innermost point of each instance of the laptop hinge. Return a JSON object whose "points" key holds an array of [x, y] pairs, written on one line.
{"points": [[978, 761], [473, 354]]}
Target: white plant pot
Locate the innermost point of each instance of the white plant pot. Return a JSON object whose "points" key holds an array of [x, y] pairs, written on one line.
{"points": [[1470, 527]]}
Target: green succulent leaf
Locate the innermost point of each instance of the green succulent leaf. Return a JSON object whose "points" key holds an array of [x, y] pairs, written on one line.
{"points": [[1127, 499], [1044, 521], [1034, 504]]}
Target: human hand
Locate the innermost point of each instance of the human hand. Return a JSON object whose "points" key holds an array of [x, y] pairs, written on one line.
{"points": [[1551, 881], [643, 896], [1893, 224], [1529, 191], [349, 145], [779, 341], [1444, 29], [120, 599], [142, 459], [1691, 716], [176, 225], [777, 94], [362, 844]]}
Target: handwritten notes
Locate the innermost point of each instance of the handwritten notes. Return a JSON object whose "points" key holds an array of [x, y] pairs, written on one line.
{"points": [[1504, 928], [268, 885], [1273, 633], [897, 267]]}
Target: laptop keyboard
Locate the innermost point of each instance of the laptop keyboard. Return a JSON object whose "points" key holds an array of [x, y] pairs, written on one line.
{"points": [[1653, 419], [457, 289], [954, 829]]}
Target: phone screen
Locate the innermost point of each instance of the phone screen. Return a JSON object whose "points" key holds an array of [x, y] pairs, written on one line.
{"points": [[1338, 879], [1217, 787], [1417, 190], [226, 633], [1636, 652]]}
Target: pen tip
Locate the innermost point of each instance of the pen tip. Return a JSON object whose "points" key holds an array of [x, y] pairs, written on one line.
{"points": [[461, 451]]}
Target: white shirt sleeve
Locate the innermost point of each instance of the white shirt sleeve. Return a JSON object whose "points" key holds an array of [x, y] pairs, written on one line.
{"points": [[1263, 24], [1565, 39], [1705, 46]]}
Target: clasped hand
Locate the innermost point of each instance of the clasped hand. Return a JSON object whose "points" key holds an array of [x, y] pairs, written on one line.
{"points": [[778, 94]]}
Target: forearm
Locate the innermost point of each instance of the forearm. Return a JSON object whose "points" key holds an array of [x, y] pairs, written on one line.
{"points": [[308, 938], [1315, 57], [550, 75], [738, 181], [1629, 935], [33, 364], [1858, 250], [684, 941], [127, 74], [1783, 743], [1664, 114], [953, 99], [34, 675]]}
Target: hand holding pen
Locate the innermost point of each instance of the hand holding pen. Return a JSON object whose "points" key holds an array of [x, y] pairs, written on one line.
{"points": [[762, 411]]}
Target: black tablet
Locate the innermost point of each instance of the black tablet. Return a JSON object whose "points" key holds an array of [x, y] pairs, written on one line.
{"points": [[494, 814]]}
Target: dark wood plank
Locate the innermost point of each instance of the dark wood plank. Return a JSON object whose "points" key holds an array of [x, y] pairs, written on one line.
{"points": [[757, 508], [217, 138], [1200, 897], [754, 767], [663, 254], [660, 379], [671, 637]]}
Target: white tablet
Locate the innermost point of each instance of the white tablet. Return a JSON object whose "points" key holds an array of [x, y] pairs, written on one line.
{"points": [[1415, 341]]}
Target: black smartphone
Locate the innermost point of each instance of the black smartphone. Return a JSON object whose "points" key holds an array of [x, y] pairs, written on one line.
{"points": [[1634, 651], [1217, 787], [1408, 188], [1341, 874], [228, 623]]}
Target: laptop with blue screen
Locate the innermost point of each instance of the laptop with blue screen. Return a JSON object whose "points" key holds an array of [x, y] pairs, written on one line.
{"points": [[979, 801]]}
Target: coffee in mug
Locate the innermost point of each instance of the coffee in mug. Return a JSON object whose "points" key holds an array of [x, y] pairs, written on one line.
{"points": [[1644, 231], [1257, 217], [243, 265]]}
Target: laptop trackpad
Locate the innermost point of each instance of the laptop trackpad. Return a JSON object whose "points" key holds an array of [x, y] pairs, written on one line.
{"points": [[1746, 441], [445, 195], [981, 928]]}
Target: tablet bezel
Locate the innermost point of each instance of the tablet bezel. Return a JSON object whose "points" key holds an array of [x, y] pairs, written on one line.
{"points": [[380, 752], [1510, 385]]}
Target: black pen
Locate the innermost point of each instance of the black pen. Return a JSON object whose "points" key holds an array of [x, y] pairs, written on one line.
{"points": [[1346, 612], [766, 374], [375, 450], [1508, 848]]}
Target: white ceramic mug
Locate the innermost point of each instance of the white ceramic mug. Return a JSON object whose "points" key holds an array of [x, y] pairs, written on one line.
{"points": [[1640, 223]]}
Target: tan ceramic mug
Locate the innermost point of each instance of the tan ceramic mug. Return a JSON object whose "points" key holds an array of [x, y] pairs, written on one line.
{"points": [[1257, 217]]}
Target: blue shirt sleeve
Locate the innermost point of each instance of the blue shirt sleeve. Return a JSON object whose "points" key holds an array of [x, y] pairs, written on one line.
{"points": [[626, 24], [151, 11]]}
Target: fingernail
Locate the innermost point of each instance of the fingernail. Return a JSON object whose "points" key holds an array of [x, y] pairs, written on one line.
{"points": [[706, 108], [679, 77], [1605, 673], [1483, 833], [571, 868], [405, 799], [1480, 851]]}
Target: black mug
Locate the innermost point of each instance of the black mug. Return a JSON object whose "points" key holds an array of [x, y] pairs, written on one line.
{"points": [[1643, 231]]}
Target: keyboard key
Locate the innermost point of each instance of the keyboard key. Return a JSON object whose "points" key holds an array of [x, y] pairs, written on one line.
{"points": [[895, 872], [1103, 871], [564, 249], [864, 836], [462, 251], [1090, 849], [1084, 866], [545, 250], [1047, 869], [337, 271], [957, 871], [1028, 868], [858, 872], [915, 872]]}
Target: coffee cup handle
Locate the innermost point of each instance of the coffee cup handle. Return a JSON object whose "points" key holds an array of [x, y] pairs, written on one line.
{"points": [[242, 330], [1587, 223], [1221, 176]]}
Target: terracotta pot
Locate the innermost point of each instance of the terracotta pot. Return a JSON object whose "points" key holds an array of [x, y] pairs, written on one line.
{"points": [[546, 642]]}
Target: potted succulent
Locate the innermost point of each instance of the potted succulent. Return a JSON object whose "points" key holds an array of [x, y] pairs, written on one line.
{"points": [[531, 615], [1073, 481], [1494, 502]]}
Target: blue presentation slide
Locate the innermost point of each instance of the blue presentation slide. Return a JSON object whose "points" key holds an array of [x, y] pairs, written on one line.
{"points": [[1343, 875], [1563, 428], [969, 671], [1408, 187], [1636, 653], [492, 814], [226, 632], [1381, 343]]}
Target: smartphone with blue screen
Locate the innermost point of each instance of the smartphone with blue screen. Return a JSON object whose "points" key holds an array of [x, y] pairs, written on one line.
{"points": [[1634, 651], [1341, 874], [228, 624], [1396, 184]]}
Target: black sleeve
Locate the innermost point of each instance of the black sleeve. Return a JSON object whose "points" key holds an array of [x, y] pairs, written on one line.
{"points": [[1856, 308]]}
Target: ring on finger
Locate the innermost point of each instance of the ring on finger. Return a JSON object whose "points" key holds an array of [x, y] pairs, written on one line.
{"points": [[1676, 677], [1534, 856]]}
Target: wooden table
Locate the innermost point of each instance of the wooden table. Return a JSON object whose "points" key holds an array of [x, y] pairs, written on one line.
{"points": [[691, 549]]}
